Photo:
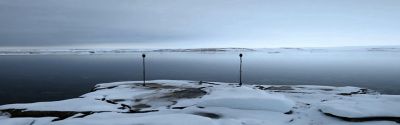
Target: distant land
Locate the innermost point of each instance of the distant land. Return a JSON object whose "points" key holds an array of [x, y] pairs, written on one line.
{"points": [[267, 50]]}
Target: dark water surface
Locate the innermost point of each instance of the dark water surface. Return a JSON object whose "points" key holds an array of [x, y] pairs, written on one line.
{"points": [[32, 78]]}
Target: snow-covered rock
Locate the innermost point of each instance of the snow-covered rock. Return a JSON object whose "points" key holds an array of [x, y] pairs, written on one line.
{"points": [[179, 102], [163, 119], [247, 98], [26, 121], [76, 104], [364, 106]]}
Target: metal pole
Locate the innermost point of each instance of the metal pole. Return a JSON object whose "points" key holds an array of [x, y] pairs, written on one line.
{"points": [[144, 70], [240, 79]]}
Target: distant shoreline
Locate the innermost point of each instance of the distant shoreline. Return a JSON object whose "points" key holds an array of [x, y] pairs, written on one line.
{"points": [[268, 50]]}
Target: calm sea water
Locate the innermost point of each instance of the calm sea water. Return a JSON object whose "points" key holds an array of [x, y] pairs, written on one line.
{"points": [[54, 77]]}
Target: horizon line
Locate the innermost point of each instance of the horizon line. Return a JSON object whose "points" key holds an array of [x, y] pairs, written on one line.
{"points": [[53, 47]]}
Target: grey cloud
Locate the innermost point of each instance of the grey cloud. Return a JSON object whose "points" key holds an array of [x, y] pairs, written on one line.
{"points": [[74, 22]]}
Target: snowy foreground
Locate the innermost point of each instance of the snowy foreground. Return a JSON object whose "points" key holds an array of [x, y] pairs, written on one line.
{"points": [[169, 102]]}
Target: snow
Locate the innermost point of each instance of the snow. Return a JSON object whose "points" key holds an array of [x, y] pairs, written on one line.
{"points": [[76, 104], [122, 93], [247, 98], [26, 121], [364, 106], [181, 102], [165, 119], [231, 116]]}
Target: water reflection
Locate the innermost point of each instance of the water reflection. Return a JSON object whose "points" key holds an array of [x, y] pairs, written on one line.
{"points": [[54, 77]]}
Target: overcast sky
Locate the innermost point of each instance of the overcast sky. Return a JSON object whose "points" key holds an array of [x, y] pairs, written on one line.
{"points": [[198, 23]]}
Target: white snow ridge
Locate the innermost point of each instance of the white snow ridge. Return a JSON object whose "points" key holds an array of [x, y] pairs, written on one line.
{"points": [[172, 102]]}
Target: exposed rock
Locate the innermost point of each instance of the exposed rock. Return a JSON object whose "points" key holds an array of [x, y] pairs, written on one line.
{"points": [[207, 114], [140, 106], [14, 113], [158, 86], [361, 91], [382, 118], [186, 93], [275, 88]]}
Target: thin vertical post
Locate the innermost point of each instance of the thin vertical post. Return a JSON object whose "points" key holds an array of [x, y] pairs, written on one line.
{"points": [[240, 72], [144, 70]]}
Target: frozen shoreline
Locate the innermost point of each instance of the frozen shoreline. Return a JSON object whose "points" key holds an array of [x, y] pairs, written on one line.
{"points": [[191, 102]]}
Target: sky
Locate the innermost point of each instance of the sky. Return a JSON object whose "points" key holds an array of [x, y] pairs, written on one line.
{"points": [[198, 23]]}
